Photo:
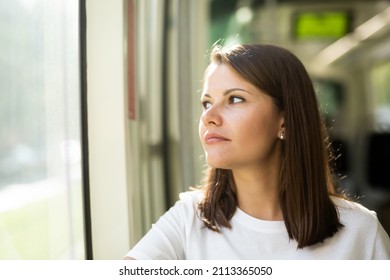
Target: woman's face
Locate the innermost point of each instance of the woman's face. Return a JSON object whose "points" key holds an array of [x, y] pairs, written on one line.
{"points": [[240, 124]]}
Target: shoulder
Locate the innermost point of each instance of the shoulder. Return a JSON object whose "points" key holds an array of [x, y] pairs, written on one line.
{"points": [[354, 214], [190, 199], [195, 195], [361, 225], [188, 202]]}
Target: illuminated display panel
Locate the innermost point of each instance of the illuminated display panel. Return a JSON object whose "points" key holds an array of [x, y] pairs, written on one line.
{"points": [[321, 24]]}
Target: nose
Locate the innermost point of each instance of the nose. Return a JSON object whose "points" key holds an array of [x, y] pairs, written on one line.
{"points": [[212, 116]]}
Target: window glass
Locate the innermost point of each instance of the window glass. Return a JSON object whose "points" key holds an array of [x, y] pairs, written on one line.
{"points": [[380, 81], [41, 213], [330, 96]]}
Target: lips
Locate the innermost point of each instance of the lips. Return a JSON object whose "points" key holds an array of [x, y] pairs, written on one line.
{"points": [[211, 138]]}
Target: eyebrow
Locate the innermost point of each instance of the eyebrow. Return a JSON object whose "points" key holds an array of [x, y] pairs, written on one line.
{"points": [[226, 92]]}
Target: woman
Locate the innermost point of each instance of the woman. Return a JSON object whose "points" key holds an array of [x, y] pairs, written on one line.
{"points": [[268, 193]]}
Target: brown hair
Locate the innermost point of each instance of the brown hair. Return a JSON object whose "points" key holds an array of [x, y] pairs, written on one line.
{"points": [[306, 181]]}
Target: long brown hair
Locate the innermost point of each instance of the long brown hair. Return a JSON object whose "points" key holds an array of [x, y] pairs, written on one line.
{"points": [[305, 176]]}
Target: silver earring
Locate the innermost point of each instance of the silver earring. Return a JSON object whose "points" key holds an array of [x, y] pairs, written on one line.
{"points": [[282, 135]]}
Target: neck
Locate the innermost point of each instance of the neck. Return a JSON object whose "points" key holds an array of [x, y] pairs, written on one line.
{"points": [[258, 192]]}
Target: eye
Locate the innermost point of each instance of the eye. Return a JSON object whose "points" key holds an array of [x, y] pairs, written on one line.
{"points": [[206, 104], [236, 99]]}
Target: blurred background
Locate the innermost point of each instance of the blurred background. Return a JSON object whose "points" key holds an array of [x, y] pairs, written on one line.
{"points": [[99, 108]]}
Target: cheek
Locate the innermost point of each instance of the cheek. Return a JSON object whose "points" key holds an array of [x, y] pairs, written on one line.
{"points": [[201, 131], [258, 127]]}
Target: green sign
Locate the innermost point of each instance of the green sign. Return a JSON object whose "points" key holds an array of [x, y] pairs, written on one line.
{"points": [[321, 25]]}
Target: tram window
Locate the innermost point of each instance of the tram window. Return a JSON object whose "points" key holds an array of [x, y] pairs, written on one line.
{"points": [[380, 82], [379, 141], [330, 95], [40, 157]]}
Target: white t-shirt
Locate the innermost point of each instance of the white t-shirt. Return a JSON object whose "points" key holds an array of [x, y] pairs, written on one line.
{"points": [[180, 234]]}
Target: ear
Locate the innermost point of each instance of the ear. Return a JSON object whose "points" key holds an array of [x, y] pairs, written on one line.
{"points": [[282, 129]]}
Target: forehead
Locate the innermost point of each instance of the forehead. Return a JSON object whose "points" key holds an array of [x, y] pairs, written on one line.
{"points": [[223, 76]]}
